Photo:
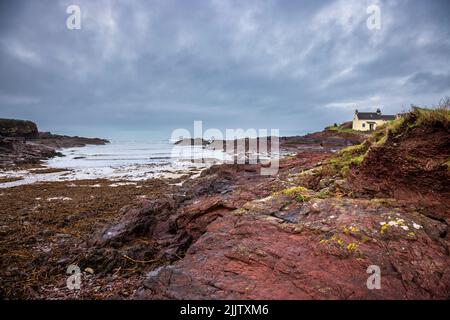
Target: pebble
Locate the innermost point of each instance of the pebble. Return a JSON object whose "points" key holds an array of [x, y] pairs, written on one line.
{"points": [[89, 270]]}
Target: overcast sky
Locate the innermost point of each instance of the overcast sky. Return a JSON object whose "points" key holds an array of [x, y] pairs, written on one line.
{"points": [[160, 65]]}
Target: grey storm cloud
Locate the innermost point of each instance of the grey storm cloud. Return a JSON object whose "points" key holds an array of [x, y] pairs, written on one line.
{"points": [[159, 65]]}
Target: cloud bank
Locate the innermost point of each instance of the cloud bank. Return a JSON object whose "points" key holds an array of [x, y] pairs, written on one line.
{"points": [[160, 65]]}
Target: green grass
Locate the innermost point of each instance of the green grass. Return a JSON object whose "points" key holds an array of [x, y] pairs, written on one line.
{"points": [[431, 117], [417, 117], [348, 157], [299, 193], [323, 194], [342, 129]]}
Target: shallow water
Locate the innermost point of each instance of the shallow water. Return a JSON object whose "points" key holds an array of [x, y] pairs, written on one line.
{"points": [[122, 160]]}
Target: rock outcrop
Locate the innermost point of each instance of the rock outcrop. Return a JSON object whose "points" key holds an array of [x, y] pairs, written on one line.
{"points": [[62, 141], [234, 234], [22, 143], [319, 250], [11, 128], [296, 243], [18, 151]]}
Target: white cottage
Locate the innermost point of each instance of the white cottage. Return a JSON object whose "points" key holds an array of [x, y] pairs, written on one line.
{"points": [[367, 121]]}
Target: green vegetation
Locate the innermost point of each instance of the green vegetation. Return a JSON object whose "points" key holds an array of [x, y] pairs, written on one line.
{"points": [[345, 127], [440, 115], [338, 246], [300, 194], [417, 117], [379, 136], [324, 193], [350, 156]]}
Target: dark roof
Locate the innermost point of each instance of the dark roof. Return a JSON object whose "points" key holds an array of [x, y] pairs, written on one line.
{"points": [[373, 116]]}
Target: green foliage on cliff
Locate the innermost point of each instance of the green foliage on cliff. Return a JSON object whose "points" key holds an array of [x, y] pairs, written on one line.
{"points": [[350, 156], [345, 127], [343, 160], [298, 193], [419, 117]]}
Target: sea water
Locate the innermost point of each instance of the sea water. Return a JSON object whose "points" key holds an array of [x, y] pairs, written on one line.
{"points": [[123, 159]]}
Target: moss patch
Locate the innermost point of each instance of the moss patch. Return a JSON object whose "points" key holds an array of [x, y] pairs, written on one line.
{"points": [[342, 129], [348, 157], [299, 194]]}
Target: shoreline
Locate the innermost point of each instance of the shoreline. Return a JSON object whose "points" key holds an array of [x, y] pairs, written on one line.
{"points": [[39, 175], [324, 216], [50, 218], [41, 171], [22, 144], [70, 214]]}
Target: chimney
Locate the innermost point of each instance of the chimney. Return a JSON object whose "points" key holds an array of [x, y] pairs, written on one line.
{"points": [[378, 111], [356, 111]]}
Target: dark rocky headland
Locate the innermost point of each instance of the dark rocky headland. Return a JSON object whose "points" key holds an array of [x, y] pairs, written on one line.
{"points": [[309, 232], [21, 143]]}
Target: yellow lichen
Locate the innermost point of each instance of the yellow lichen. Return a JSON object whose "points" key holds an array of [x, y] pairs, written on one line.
{"points": [[299, 193], [294, 190], [383, 228], [351, 247], [351, 229]]}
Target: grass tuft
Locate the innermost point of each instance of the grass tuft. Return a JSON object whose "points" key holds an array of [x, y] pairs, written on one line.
{"points": [[348, 157], [300, 194]]}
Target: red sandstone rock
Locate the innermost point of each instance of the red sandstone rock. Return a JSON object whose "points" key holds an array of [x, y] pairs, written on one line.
{"points": [[256, 256], [234, 234]]}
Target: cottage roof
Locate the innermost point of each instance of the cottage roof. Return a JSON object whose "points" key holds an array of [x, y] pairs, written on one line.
{"points": [[374, 116]]}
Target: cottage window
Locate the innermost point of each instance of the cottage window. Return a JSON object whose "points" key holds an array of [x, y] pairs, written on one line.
{"points": [[363, 125]]}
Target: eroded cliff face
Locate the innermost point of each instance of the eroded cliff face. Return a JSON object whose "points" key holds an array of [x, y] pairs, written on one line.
{"points": [[410, 166]]}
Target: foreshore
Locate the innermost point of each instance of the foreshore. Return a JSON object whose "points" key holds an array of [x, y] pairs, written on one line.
{"points": [[308, 232], [46, 217], [48, 223]]}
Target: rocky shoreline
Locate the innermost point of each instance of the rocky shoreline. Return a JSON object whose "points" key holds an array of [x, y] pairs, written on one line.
{"points": [[309, 232], [22, 144]]}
